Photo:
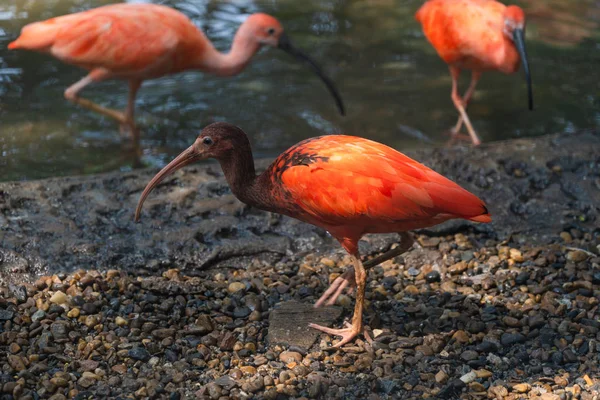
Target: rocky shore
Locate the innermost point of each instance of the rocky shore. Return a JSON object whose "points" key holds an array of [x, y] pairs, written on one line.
{"points": [[207, 298]]}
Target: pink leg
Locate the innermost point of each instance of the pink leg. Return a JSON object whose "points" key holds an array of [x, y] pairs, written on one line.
{"points": [[475, 76], [351, 330], [128, 126], [347, 278], [97, 75], [460, 106]]}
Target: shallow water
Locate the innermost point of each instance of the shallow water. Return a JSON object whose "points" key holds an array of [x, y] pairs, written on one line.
{"points": [[396, 88]]}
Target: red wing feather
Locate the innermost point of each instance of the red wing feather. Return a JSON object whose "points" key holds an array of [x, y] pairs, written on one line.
{"points": [[353, 178]]}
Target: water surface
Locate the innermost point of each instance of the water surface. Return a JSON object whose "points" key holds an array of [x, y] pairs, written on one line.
{"points": [[396, 89]]}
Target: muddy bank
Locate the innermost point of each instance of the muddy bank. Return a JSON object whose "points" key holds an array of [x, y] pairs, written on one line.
{"points": [[535, 188]]}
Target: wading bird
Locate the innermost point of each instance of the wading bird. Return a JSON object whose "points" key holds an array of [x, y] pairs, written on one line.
{"points": [[135, 42], [347, 185], [478, 35]]}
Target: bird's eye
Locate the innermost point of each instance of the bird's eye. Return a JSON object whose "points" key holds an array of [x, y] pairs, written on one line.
{"points": [[271, 31], [207, 141]]}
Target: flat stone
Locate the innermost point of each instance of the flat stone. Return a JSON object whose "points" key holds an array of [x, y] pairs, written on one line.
{"points": [[288, 323]]}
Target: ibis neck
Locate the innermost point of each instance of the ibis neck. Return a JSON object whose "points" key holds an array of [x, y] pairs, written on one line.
{"points": [[244, 183], [227, 64]]}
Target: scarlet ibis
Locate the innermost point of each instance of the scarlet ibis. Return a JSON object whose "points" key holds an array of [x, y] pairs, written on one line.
{"points": [[136, 42], [347, 185], [478, 35]]}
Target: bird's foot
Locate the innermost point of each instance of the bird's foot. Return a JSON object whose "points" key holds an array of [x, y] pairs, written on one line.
{"points": [[347, 334], [455, 136], [346, 280]]}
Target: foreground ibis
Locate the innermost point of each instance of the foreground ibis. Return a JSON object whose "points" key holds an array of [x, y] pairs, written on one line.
{"points": [[347, 185], [478, 35], [135, 42]]}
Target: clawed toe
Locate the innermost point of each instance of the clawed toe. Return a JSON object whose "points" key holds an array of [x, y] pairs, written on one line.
{"points": [[347, 334]]}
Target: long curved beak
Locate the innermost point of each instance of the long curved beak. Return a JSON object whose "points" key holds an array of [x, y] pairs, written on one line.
{"points": [[519, 39], [286, 45], [188, 156]]}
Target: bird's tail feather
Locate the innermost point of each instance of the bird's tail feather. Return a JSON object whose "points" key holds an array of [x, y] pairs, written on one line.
{"points": [[36, 36]]}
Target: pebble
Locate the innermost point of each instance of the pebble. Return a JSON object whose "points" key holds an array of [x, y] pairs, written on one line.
{"points": [[139, 353], [433, 276], [508, 339], [58, 298], [236, 287], [469, 355], [522, 387], [577, 256], [290, 356], [441, 377]]}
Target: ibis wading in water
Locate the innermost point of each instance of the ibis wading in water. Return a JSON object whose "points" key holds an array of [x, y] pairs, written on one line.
{"points": [[347, 185], [135, 42], [479, 35]]}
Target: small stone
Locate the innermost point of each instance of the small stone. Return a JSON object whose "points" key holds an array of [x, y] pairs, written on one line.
{"points": [[248, 370], [59, 381], [469, 355], [14, 348], [516, 255], [522, 387], [139, 353], [91, 321], [120, 321], [425, 349], [483, 373], [60, 329], [468, 377], [73, 313], [141, 392], [497, 392], [227, 341], [476, 387], [433, 276], [458, 268], [441, 377], [58, 298], [577, 256], [328, 262], [512, 322], [290, 356], [16, 362], [461, 336], [163, 333], [38, 315], [236, 287], [508, 339], [6, 315], [566, 237], [204, 324]]}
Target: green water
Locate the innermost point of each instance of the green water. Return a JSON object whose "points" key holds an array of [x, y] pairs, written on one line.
{"points": [[396, 89]]}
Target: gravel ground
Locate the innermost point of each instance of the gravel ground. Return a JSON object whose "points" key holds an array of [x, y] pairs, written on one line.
{"points": [[460, 316]]}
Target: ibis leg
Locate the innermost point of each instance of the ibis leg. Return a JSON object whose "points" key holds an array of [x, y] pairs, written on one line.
{"points": [[128, 126], [475, 76], [460, 106], [351, 330], [347, 280], [125, 119]]}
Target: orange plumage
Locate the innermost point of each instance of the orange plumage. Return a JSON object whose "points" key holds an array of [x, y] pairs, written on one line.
{"points": [[146, 40], [353, 186], [478, 35]]}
